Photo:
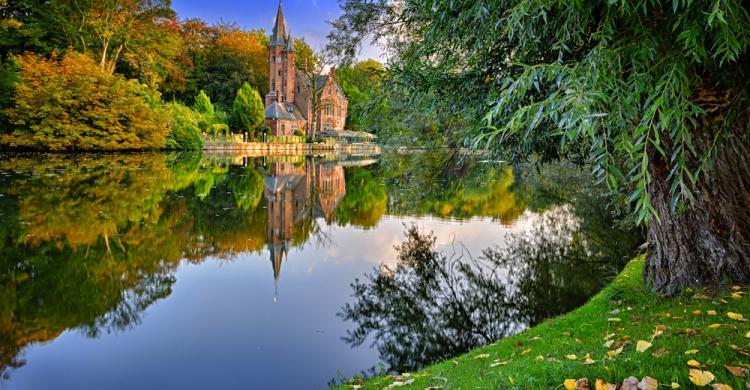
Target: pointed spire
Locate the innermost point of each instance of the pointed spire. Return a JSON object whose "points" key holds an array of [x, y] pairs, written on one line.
{"points": [[289, 42], [279, 29]]}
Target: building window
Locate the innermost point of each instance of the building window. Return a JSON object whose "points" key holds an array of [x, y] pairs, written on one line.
{"points": [[274, 58], [298, 89], [279, 72], [273, 85]]}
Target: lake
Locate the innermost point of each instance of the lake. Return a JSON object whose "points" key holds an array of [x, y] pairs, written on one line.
{"points": [[156, 271]]}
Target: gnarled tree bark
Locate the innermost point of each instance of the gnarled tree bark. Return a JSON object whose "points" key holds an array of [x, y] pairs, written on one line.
{"points": [[709, 243]]}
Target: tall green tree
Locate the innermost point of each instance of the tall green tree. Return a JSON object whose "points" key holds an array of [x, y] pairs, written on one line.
{"points": [[361, 83], [203, 104], [654, 94], [247, 110]]}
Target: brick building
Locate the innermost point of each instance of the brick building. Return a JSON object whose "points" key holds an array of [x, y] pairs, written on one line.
{"points": [[288, 103]]}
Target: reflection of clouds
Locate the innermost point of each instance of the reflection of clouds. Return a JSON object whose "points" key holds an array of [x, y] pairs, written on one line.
{"points": [[377, 245]]}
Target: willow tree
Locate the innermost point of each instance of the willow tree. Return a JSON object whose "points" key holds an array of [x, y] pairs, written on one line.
{"points": [[654, 93]]}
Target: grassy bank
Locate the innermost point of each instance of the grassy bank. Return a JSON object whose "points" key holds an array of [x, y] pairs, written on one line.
{"points": [[601, 341]]}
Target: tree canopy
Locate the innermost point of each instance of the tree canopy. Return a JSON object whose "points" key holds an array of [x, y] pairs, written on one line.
{"points": [[654, 94]]}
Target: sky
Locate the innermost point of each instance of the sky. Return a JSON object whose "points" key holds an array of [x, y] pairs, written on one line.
{"points": [[305, 18]]}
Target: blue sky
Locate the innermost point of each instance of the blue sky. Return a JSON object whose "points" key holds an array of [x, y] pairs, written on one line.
{"points": [[305, 18]]}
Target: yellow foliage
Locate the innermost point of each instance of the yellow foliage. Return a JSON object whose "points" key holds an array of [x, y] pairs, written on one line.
{"points": [[700, 377]]}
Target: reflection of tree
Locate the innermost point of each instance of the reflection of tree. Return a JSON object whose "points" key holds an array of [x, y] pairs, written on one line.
{"points": [[365, 201], [431, 306], [444, 185]]}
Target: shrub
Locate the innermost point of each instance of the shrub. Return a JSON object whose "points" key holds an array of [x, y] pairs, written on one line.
{"points": [[82, 107], [299, 133], [247, 110], [186, 131]]}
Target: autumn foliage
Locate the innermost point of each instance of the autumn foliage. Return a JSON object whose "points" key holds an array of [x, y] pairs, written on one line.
{"points": [[70, 103]]}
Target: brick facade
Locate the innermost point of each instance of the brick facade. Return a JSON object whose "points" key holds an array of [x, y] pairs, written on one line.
{"points": [[288, 105]]}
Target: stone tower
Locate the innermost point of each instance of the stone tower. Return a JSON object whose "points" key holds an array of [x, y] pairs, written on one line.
{"points": [[281, 56]]}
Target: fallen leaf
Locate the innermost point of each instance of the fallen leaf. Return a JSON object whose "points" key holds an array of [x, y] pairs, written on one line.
{"points": [[697, 312], [675, 385], [701, 378], [738, 371], [601, 385], [648, 383], [615, 352], [526, 351], [482, 356], [736, 288], [660, 352], [570, 384], [693, 363], [714, 326], [512, 381], [589, 361], [610, 342], [540, 357], [614, 319], [747, 335], [719, 386], [736, 295], [736, 316], [571, 357], [691, 352], [711, 312], [582, 384], [642, 346]]}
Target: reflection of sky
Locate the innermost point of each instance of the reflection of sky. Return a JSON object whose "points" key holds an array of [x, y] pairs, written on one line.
{"points": [[220, 327]]}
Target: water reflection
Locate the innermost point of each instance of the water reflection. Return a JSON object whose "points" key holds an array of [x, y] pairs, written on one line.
{"points": [[434, 303], [90, 242]]}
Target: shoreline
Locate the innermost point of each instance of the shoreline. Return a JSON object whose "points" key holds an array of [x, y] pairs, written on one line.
{"points": [[604, 339], [260, 149]]}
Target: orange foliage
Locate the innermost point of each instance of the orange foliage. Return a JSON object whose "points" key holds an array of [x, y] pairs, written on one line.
{"points": [[70, 103]]}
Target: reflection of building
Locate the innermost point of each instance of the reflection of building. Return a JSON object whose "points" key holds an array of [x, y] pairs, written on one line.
{"points": [[291, 191]]}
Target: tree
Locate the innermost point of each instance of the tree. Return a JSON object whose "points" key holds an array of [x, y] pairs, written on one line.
{"points": [[81, 107], [203, 104], [312, 67], [361, 84], [226, 57], [247, 110], [655, 95]]}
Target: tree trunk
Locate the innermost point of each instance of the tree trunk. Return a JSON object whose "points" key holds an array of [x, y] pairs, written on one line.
{"points": [[709, 243]]}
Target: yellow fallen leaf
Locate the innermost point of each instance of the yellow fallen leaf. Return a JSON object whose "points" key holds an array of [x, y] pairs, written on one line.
{"points": [[675, 385], [589, 361], [747, 335], [615, 352], [642, 346], [602, 385], [701, 378], [736, 288], [614, 319], [570, 384], [735, 316], [526, 351], [512, 381], [694, 363], [736, 295], [691, 352], [697, 312], [711, 312], [482, 356], [539, 357], [719, 386], [571, 357], [714, 326], [610, 342]]}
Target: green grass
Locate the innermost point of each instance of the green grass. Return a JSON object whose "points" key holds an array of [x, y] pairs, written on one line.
{"points": [[537, 358]]}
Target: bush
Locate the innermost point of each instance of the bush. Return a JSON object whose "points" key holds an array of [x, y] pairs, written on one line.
{"points": [[247, 111], [82, 107], [299, 133], [186, 131]]}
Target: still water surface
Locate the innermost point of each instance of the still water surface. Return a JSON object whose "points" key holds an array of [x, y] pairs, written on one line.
{"points": [[158, 271]]}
